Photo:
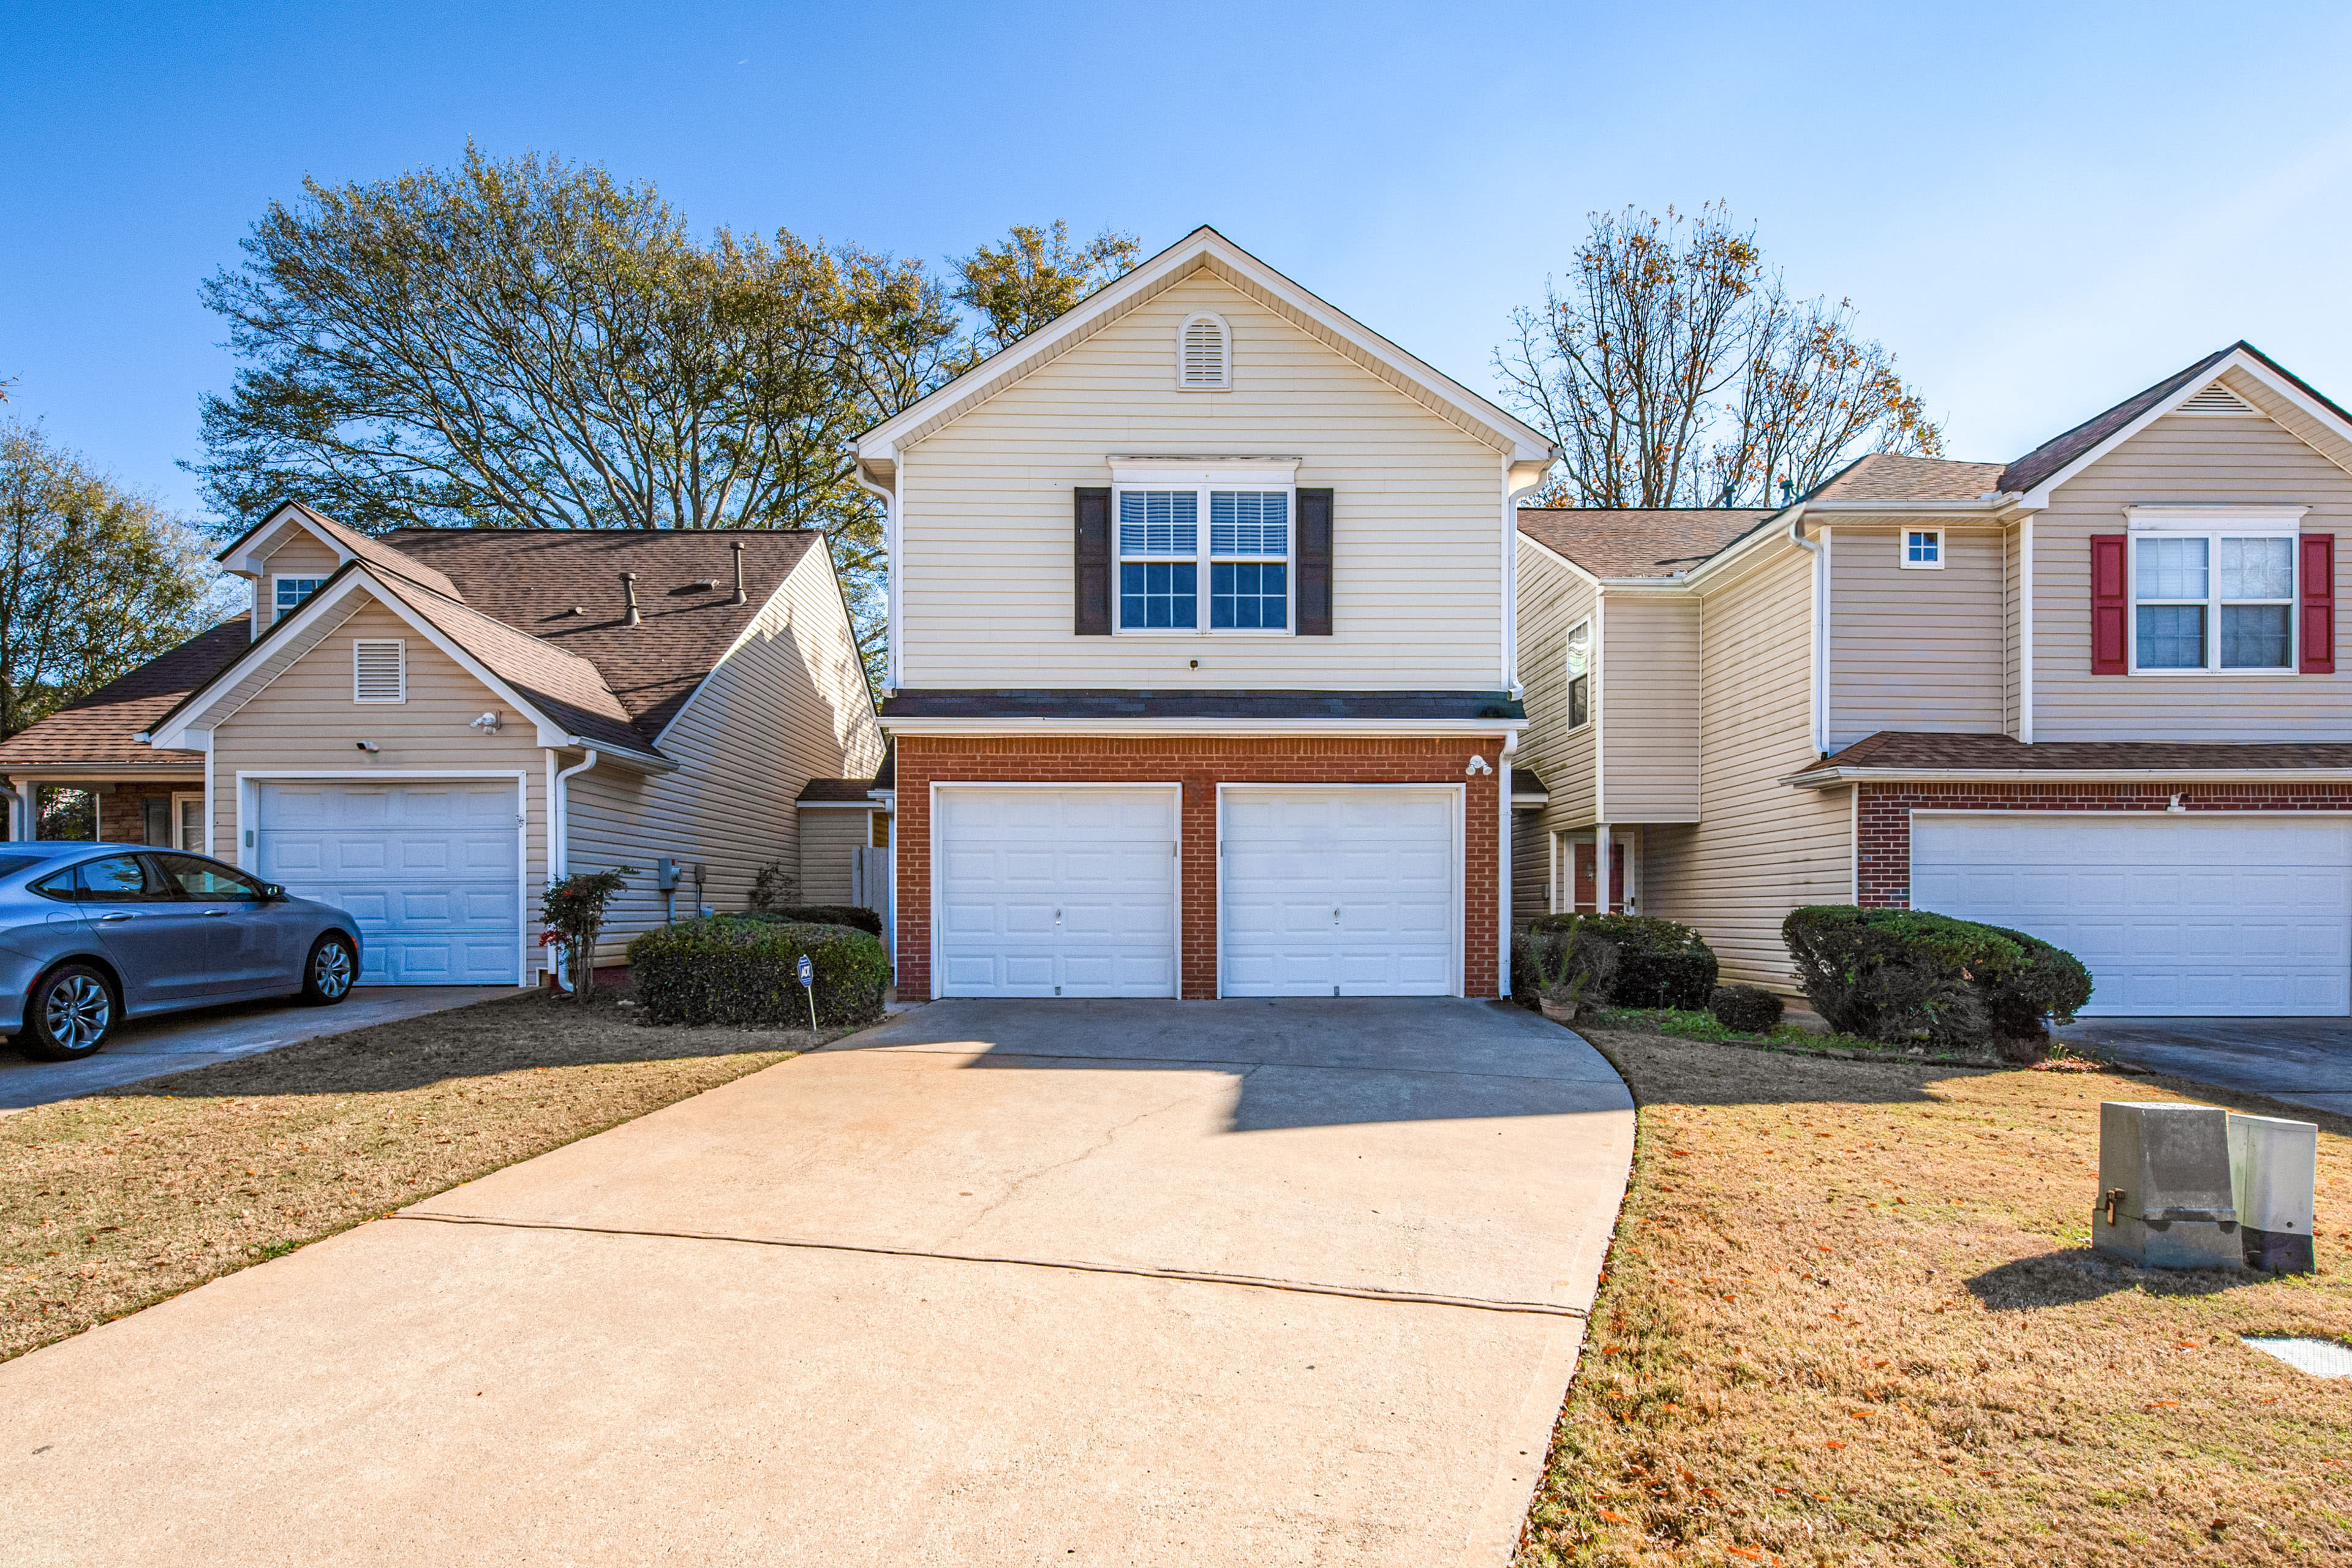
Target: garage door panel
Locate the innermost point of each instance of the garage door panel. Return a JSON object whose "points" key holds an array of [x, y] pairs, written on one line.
{"points": [[430, 871], [1383, 858], [2172, 913], [1048, 891]]}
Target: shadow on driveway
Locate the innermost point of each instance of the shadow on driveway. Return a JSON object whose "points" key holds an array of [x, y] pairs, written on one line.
{"points": [[2303, 1061]]}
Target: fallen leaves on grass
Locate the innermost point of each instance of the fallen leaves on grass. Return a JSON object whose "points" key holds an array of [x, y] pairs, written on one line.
{"points": [[2058, 1408], [157, 1187]]}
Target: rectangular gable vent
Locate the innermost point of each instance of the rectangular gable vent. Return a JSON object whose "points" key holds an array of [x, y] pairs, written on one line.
{"points": [[379, 670], [2215, 399]]}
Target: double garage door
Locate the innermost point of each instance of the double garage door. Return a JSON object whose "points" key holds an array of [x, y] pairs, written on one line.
{"points": [[1349, 891], [2175, 914], [429, 870]]}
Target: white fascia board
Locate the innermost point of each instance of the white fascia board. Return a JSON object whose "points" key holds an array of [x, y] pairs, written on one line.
{"points": [[866, 805], [1530, 540], [161, 773], [1775, 527], [879, 445], [318, 607], [1824, 778], [243, 554], [1195, 727], [2238, 360]]}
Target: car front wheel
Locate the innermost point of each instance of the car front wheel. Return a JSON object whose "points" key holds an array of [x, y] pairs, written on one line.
{"points": [[333, 966], [69, 1015]]}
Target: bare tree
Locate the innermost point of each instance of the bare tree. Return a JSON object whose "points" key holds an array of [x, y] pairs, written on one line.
{"points": [[1674, 370]]}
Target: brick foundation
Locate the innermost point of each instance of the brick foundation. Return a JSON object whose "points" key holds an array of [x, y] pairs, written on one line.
{"points": [[1883, 814], [1201, 765]]}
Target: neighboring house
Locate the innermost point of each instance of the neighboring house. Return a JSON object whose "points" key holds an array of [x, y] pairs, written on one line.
{"points": [[2090, 694], [846, 841], [424, 727], [1201, 653]]}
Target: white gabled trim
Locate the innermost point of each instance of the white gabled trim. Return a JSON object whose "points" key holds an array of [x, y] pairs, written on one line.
{"points": [[1533, 542], [1202, 246], [245, 555], [1827, 778], [2238, 360], [1309, 727]]}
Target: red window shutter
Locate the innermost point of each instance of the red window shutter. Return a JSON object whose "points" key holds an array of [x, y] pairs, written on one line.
{"points": [[1094, 568], [2318, 629], [2109, 590]]}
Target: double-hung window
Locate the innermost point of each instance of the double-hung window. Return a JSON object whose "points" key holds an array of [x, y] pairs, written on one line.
{"points": [[2211, 594], [289, 592], [1580, 675], [1205, 552]]}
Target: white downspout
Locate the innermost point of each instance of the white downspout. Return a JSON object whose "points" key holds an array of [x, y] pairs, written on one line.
{"points": [[1511, 499], [2025, 631], [559, 839], [1819, 652]]}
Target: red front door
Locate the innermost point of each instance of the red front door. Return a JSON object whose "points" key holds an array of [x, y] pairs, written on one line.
{"points": [[1585, 892]]}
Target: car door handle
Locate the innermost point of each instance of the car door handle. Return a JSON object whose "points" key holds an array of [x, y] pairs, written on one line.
{"points": [[116, 915], [215, 915]]}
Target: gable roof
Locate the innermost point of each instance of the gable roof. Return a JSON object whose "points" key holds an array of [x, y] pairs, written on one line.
{"points": [[2061, 452], [99, 728], [1886, 476], [1204, 249], [1613, 541]]}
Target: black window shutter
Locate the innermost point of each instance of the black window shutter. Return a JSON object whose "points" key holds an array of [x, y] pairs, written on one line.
{"points": [[1093, 503], [1315, 563]]}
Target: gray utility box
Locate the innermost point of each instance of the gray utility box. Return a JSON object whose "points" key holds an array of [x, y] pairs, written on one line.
{"points": [[2164, 1187], [2273, 1165]]}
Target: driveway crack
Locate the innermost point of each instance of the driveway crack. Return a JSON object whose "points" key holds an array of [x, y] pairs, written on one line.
{"points": [[1109, 1136]]}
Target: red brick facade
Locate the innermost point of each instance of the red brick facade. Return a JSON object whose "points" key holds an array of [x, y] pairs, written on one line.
{"points": [[1883, 814], [1201, 765]]}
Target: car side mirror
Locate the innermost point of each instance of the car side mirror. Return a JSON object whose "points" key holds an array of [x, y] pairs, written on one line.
{"points": [[272, 893]]}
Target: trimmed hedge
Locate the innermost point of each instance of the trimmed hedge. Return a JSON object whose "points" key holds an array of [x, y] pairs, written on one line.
{"points": [[744, 969], [1659, 963], [856, 915], [1906, 975], [1745, 1009]]}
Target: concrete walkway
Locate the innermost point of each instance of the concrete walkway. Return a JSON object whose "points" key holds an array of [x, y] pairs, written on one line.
{"points": [[1108, 1283], [2304, 1061], [175, 1042]]}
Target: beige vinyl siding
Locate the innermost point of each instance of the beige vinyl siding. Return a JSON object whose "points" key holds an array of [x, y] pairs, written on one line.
{"points": [[1648, 708], [985, 547], [1915, 650], [2180, 457], [830, 838], [1761, 848], [301, 556], [789, 705], [305, 720], [1553, 599]]}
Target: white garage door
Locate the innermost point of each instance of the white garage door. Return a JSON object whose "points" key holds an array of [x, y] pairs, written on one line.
{"points": [[1351, 890], [2181, 915], [427, 869], [1055, 892]]}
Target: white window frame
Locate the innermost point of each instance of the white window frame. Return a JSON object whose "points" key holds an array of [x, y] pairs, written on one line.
{"points": [[1190, 474], [1934, 537], [401, 647], [1226, 332], [181, 801], [2214, 524], [276, 613], [1569, 676]]}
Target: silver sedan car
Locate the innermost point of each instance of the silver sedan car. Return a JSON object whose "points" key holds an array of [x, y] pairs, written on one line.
{"points": [[94, 933]]}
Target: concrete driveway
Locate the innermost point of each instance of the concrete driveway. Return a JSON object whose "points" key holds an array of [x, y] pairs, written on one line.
{"points": [[2304, 1061], [175, 1042], [1067, 1282]]}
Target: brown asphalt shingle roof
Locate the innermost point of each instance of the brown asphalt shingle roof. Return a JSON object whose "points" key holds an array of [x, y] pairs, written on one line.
{"points": [[1617, 541], [98, 727], [1885, 476], [1912, 750], [2057, 452], [818, 791]]}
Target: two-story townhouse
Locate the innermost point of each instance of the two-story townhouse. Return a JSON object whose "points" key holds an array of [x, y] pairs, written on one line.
{"points": [[2090, 694], [1201, 654]]}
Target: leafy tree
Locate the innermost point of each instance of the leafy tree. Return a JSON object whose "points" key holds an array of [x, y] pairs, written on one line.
{"points": [[1035, 275], [573, 913], [1675, 370], [95, 581], [527, 342]]}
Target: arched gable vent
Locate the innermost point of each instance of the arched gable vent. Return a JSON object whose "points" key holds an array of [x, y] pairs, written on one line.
{"points": [[2215, 399], [1204, 354]]}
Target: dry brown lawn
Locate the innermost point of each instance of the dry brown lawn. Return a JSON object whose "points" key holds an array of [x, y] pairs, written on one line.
{"points": [[1851, 1316], [114, 1202]]}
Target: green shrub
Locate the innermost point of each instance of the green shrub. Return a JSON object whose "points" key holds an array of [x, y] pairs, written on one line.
{"points": [[1903, 975], [744, 969], [1659, 963], [856, 915], [1745, 1009]]}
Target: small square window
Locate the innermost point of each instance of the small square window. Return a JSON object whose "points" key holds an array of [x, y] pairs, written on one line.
{"points": [[289, 592], [1922, 548]]}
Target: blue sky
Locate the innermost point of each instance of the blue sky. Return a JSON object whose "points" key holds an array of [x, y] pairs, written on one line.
{"points": [[2039, 208]]}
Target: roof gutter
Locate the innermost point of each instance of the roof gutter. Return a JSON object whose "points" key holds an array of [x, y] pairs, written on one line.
{"points": [[1826, 778], [1031, 725]]}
